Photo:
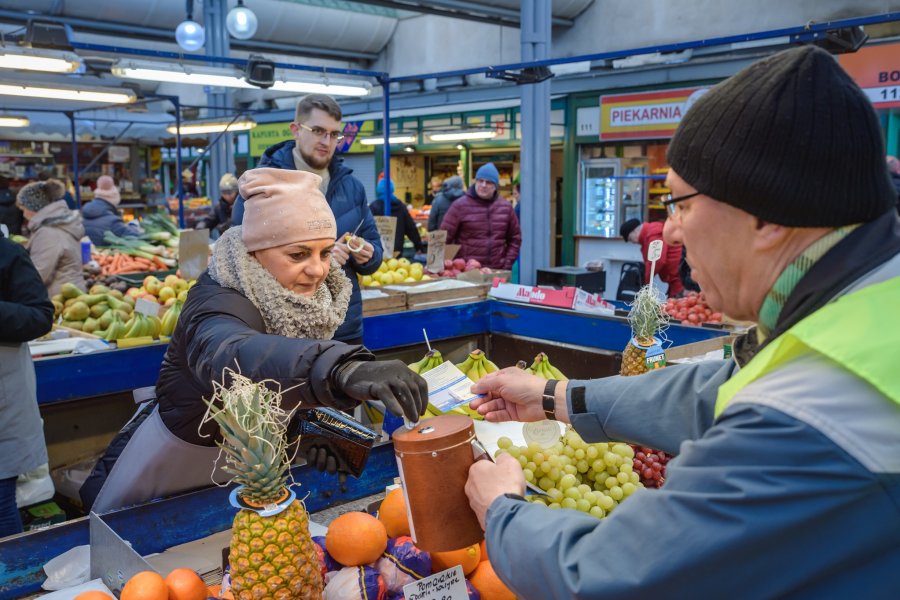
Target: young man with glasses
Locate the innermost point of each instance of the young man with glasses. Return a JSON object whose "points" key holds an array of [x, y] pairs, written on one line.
{"points": [[668, 267], [317, 131]]}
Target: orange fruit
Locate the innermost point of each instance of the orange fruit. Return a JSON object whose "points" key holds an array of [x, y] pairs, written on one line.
{"points": [[468, 558], [485, 580], [215, 591], [185, 584], [355, 539], [392, 513], [146, 585], [484, 554], [94, 595]]}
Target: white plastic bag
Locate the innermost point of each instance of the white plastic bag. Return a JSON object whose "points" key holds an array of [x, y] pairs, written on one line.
{"points": [[71, 568], [34, 486]]}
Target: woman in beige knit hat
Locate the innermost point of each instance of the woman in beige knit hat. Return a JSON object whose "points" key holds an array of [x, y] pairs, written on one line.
{"points": [[268, 306]]}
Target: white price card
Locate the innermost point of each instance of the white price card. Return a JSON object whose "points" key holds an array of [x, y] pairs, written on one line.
{"points": [[448, 387], [193, 252], [146, 307], [654, 252], [387, 230], [437, 241], [446, 585]]}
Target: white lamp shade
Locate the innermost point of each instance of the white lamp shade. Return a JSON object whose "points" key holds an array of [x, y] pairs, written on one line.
{"points": [[241, 23], [190, 35]]}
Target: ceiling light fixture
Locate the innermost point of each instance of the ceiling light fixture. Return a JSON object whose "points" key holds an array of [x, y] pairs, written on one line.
{"points": [[395, 139], [13, 121], [189, 34], [241, 22], [28, 59], [409, 148], [57, 92], [233, 78], [204, 127], [462, 135]]}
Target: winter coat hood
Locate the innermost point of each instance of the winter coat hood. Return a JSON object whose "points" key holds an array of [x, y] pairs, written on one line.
{"points": [[58, 215]]}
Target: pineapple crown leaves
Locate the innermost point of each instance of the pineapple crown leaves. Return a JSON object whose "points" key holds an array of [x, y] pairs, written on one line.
{"points": [[254, 433], [647, 317]]}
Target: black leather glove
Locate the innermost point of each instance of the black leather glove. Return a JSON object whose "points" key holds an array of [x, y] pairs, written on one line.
{"points": [[403, 392], [320, 458]]}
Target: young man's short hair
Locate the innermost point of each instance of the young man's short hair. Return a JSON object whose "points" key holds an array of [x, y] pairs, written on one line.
{"points": [[325, 103]]}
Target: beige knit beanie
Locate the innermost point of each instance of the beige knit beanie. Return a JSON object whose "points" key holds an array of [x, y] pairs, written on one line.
{"points": [[283, 206]]}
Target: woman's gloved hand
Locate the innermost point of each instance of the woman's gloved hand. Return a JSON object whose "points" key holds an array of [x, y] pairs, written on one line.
{"points": [[403, 392]]}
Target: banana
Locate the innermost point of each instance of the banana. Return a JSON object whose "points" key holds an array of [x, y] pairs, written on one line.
{"points": [[465, 365], [418, 366], [133, 326], [155, 326], [489, 366], [556, 373]]}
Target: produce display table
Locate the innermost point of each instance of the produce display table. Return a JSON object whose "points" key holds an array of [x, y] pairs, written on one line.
{"points": [[113, 371]]}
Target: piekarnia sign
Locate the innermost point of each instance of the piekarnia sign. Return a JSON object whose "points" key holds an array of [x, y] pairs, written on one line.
{"points": [[645, 115]]}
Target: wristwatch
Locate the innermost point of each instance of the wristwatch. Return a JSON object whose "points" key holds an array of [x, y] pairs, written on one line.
{"points": [[548, 399]]}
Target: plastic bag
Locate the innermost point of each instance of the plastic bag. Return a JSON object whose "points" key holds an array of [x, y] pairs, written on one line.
{"points": [[403, 563], [71, 568], [355, 583], [34, 486]]}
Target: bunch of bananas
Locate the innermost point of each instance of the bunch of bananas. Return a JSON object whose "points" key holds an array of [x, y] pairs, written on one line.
{"points": [[542, 368], [171, 318], [431, 359], [142, 325], [477, 365]]}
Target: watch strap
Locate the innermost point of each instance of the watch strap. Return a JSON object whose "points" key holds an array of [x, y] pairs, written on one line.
{"points": [[548, 399]]}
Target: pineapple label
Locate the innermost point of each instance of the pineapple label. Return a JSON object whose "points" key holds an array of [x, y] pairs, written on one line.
{"points": [[656, 357], [543, 433]]}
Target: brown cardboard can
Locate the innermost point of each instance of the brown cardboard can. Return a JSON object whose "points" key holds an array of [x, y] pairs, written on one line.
{"points": [[434, 460]]}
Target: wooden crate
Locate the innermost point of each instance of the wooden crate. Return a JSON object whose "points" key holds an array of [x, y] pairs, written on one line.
{"points": [[394, 302], [422, 300]]}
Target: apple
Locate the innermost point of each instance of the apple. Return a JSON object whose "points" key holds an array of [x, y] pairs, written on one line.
{"points": [[171, 281], [133, 292], [472, 264], [152, 284], [165, 293], [182, 295], [448, 264], [404, 262], [459, 264]]}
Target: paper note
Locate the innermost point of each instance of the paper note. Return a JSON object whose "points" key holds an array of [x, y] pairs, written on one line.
{"points": [[446, 585], [436, 250], [387, 229], [448, 387], [193, 252]]}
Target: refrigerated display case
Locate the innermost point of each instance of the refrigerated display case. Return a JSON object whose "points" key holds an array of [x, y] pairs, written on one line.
{"points": [[611, 191]]}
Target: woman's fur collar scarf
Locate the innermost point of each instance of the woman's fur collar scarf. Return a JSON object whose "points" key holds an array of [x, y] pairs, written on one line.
{"points": [[283, 311]]}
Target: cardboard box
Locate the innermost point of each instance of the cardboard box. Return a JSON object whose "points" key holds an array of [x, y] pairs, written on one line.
{"points": [[567, 297], [421, 295]]}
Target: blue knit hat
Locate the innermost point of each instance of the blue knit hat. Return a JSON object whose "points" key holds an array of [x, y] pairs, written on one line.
{"points": [[489, 173], [379, 189]]}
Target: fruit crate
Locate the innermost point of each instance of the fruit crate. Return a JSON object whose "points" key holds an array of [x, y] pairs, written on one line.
{"points": [[137, 279], [394, 301], [420, 296]]}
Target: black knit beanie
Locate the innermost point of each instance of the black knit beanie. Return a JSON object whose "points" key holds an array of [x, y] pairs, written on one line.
{"points": [[627, 227], [791, 139]]}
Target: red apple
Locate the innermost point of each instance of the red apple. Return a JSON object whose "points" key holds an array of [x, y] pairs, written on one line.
{"points": [[448, 264], [459, 264]]}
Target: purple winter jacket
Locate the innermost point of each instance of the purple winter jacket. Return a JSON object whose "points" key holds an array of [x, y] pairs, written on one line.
{"points": [[487, 230]]}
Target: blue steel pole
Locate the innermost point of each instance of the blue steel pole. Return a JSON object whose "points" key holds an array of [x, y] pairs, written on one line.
{"points": [[386, 126], [178, 162], [76, 182]]}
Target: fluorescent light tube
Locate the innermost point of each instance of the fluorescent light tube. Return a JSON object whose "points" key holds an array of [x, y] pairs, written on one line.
{"points": [[12, 121], [104, 95], [26, 59], [213, 127], [395, 139], [462, 135]]}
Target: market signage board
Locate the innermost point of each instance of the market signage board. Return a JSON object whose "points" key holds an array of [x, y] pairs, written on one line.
{"points": [[645, 115], [268, 134], [876, 69], [387, 229]]}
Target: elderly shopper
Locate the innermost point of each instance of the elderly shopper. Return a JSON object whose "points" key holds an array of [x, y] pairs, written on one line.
{"points": [[451, 190], [268, 306], [102, 214], [219, 220], [56, 232], [25, 314], [787, 472], [484, 223]]}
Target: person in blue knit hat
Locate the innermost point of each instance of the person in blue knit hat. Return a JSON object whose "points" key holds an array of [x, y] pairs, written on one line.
{"points": [[484, 224], [406, 226]]}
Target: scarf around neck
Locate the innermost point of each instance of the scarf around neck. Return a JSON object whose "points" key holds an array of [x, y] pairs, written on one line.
{"points": [[284, 312]]}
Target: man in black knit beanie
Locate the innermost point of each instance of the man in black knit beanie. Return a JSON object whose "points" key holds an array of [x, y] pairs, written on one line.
{"points": [[787, 461]]}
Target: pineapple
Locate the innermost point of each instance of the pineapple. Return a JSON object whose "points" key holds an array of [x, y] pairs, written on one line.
{"points": [[271, 556], [646, 318]]}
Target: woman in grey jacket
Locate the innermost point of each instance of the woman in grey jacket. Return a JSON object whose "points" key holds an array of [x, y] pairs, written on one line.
{"points": [[56, 232], [25, 314]]}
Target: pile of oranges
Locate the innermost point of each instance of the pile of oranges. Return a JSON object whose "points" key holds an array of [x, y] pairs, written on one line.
{"points": [[180, 584]]}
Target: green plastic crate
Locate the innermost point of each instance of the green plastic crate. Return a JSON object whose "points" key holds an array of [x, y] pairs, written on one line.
{"points": [[137, 279]]}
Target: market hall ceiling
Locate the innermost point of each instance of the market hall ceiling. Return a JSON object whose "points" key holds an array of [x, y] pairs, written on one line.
{"points": [[357, 30]]}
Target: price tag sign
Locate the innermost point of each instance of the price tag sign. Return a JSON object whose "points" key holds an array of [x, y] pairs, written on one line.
{"points": [[543, 433], [193, 252], [146, 307], [446, 585], [654, 252], [387, 229], [437, 241]]}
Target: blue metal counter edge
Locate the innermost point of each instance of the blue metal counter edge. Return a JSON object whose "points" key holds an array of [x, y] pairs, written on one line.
{"points": [[158, 525], [115, 371]]}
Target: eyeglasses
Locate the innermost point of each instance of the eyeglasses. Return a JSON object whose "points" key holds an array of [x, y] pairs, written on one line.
{"points": [[335, 136], [669, 202]]}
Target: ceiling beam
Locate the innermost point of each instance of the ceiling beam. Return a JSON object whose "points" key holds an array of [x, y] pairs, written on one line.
{"points": [[154, 33], [463, 9]]}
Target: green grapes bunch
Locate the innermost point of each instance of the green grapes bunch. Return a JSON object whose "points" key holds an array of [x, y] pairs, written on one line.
{"points": [[591, 478]]}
